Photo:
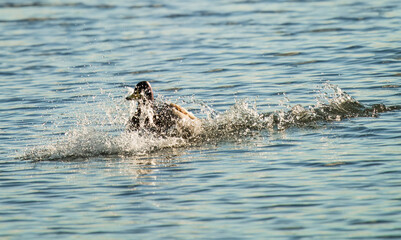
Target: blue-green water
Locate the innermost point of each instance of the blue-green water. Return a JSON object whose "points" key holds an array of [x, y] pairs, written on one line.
{"points": [[69, 169]]}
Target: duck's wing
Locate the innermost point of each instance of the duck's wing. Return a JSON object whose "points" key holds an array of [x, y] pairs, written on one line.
{"points": [[182, 112]]}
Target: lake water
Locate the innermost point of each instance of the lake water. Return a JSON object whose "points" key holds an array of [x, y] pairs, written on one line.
{"points": [[267, 166]]}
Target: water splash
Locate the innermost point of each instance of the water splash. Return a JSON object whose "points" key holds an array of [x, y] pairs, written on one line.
{"points": [[103, 133]]}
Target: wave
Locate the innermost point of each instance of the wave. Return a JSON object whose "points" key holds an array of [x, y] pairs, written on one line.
{"points": [[94, 136]]}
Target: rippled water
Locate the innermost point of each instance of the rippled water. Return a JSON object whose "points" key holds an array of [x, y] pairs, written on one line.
{"points": [[295, 145]]}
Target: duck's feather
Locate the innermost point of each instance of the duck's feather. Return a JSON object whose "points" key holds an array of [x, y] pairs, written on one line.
{"points": [[182, 112], [164, 118]]}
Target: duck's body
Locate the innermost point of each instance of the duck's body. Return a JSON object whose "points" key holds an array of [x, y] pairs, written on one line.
{"points": [[161, 118]]}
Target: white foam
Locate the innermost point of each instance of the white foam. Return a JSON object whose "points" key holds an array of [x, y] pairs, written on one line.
{"points": [[100, 127]]}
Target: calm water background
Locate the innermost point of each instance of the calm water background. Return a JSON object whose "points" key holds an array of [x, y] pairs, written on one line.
{"points": [[64, 65]]}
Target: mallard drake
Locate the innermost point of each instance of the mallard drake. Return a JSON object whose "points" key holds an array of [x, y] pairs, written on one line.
{"points": [[167, 119]]}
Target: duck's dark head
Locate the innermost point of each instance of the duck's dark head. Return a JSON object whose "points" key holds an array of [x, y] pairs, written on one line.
{"points": [[143, 92]]}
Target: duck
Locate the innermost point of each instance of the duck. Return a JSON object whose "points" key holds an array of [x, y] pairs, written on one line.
{"points": [[164, 119]]}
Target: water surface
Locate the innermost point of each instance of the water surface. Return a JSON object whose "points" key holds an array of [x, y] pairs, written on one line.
{"points": [[70, 170]]}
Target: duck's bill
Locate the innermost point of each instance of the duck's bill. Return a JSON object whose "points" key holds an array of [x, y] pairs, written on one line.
{"points": [[134, 96]]}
